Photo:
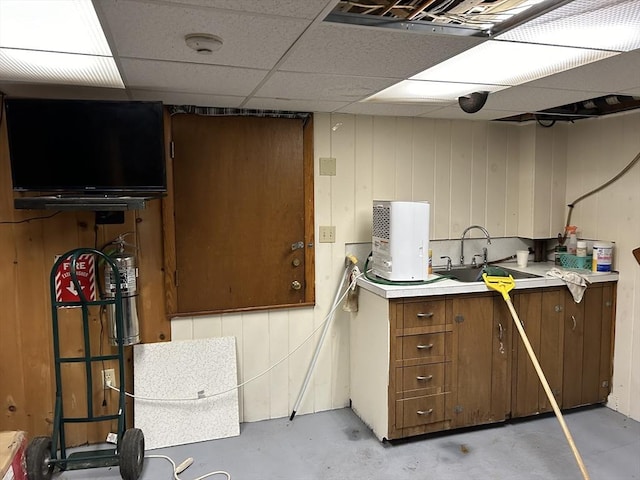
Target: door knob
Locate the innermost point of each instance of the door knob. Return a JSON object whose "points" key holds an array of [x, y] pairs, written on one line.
{"points": [[296, 285]]}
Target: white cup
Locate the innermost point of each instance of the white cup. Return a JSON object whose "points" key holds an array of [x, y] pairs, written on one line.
{"points": [[522, 257]]}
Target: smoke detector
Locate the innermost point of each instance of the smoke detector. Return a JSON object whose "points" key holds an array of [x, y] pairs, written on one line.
{"points": [[203, 43]]}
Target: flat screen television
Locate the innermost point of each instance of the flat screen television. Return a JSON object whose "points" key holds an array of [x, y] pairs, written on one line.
{"points": [[82, 147]]}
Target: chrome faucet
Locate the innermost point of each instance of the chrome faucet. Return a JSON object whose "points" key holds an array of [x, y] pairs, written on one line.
{"points": [[486, 234]]}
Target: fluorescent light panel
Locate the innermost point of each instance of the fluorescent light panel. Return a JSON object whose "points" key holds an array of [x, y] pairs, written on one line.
{"points": [[55, 41], [509, 63], [58, 68], [419, 91], [596, 24]]}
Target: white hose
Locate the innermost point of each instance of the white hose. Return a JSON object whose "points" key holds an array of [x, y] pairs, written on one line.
{"points": [[312, 365]]}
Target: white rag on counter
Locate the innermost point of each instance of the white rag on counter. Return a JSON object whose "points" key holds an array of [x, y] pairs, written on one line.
{"points": [[576, 283]]}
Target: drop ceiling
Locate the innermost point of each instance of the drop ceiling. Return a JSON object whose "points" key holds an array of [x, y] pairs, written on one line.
{"points": [[282, 55]]}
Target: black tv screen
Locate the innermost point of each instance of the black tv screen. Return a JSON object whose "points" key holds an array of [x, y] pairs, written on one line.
{"points": [[82, 146]]}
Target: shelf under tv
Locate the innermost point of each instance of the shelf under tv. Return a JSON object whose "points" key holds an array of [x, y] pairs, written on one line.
{"points": [[84, 202]]}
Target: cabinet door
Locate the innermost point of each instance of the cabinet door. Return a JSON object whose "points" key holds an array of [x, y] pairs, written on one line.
{"points": [[587, 346], [480, 364], [541, 313]]}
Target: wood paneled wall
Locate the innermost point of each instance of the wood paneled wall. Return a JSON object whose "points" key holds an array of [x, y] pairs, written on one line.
{"points": [[491, 174], [598, 149], [472, 172], [28, 249], [469, 171]]}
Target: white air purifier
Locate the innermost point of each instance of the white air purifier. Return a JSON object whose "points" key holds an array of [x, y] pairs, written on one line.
{"points": [[400, 240]]}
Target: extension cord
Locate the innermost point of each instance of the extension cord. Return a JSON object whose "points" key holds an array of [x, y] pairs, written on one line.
{"points": [[184, 465], [200, 395]]}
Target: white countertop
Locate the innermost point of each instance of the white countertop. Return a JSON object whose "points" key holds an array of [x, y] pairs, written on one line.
{"points": [[444, 287]]}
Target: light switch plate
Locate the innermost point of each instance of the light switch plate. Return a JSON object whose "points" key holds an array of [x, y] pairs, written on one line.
{"points": [[327, 166], [327, 234]]}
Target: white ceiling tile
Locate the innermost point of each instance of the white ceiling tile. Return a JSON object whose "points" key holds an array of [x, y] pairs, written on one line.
{"points": [[395, 110], [180, 98], [611, 75], [310, 86], [374, 52], [320, 66], [294, 105], [190, 77], [157, 31], [524, 98], [454, 112], [286, 8]]}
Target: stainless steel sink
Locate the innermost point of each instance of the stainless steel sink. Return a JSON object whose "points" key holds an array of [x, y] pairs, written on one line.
{"points": [[474, 274]]}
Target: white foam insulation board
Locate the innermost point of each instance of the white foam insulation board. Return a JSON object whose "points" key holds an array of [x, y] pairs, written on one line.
{"points": [[182, 371]]}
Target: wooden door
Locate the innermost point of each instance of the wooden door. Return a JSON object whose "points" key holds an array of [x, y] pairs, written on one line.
{"points": [[541, 312], [239, 190], [480, 368]]}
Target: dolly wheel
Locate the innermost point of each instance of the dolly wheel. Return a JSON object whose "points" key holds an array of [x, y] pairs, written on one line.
{"points": [[131, 454], [38, 455]]}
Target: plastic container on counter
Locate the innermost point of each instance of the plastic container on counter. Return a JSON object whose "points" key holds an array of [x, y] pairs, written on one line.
{"points": [[602, 257]]}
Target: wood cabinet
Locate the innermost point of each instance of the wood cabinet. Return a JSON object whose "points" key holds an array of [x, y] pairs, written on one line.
{"points": [[420, 367], [588, 337], [479, 383], [541, 313], [426, 364]]}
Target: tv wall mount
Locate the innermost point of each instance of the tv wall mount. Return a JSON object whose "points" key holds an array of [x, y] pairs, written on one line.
{"points": [[83, 202]]}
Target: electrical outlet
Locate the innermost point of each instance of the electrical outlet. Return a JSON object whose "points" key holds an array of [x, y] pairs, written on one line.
{"points": [[108, 378], [327, 234]]}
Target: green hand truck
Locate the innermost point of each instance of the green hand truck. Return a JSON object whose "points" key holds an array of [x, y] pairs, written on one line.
{"points": [[45, 454]]}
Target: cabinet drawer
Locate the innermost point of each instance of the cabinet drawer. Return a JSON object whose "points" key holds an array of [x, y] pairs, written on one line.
{"points": [[428, 347], [420, 411], [422, 380], [423, 314]]}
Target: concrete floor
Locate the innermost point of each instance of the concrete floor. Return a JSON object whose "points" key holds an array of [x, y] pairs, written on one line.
{"points": [[336, 445]]}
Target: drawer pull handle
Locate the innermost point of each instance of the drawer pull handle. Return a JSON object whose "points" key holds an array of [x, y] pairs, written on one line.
{"points": [[422, 378], [425, 347], [424, 315], [425, 412]]}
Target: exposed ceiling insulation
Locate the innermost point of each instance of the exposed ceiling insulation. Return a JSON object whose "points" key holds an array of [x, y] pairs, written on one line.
{"points": [[476, 14], [595, 107]]}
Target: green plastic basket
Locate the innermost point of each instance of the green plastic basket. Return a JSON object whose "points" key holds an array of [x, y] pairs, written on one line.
{"points": [[573, 261]]}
